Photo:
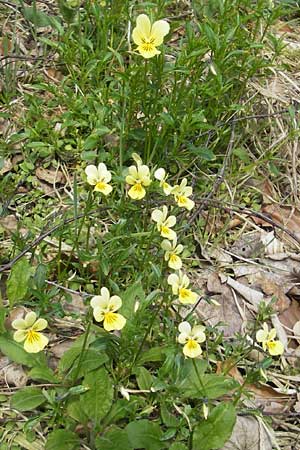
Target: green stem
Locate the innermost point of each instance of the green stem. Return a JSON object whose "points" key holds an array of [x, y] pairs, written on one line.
{"points": [[83, 349], [199, 378], [147, 333]]}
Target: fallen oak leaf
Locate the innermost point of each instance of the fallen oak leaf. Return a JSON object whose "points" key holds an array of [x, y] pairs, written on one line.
{"points": [[249, 294]]}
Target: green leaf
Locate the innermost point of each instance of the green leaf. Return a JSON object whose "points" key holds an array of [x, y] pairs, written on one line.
{"points": [[145, 434], [62, 440], [97, 401], [38, 18], [178, 446], [15, 352], [91, 360], [68, 358], [212, 386], [144, 378], [67, 13], [17, 283], [168, 419], [93, 139], [43, 373], [216, 430], [154, 354], [2, 318], [75, 411], [114, 439], [27, 399], [129, 297]]}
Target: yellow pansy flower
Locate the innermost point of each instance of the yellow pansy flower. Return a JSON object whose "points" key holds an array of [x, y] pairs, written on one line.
{"points": [[138, 176], [147, 37], [267, 337], [191, 338], [182, 193], [99, 177], [172, 250], [160, 174], [180, 285], [28, 330], [104, 307], [164, 223]]}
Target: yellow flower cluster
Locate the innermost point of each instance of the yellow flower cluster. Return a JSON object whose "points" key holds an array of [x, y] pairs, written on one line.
{"points": [[179, 281], [164, 222]]}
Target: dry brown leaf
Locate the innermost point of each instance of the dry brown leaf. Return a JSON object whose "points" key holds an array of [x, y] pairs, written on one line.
{"points": [[251, 295], [248, 246], [296, 330], [17, 158], [290, 316], [269, 287], [13, 375], [76, 305], [7, 166], [51, 176], [228, 366], [249, 434], [287, 216], [227, 311]]}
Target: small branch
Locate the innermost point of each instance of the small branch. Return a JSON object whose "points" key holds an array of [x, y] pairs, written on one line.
{"points": [[42, 236], [218, 181], [249, 212], [71, 291]]}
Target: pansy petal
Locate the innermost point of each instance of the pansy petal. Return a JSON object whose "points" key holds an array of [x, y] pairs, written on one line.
{"points": [[105, 293], [40, 325], [92, 174], [275, 348], [160, 174], [114, 303], [143, 171], [198, 333], [113, 321], [182, 338], [166, 232], [157, 215], [261, 335], [95, 301], [192, 349], [166, 245], [272, 334], [20, 335], [143, 24], [159, 30], [30, 318], [137, 159], [19, 324], [187, 297], [103, 187], [137, 192], [130, 179], [173, 279], [175, 262], [179, 249], [103, 172], [184, 327], [36, 343], [170, 222], [98, 314]]}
